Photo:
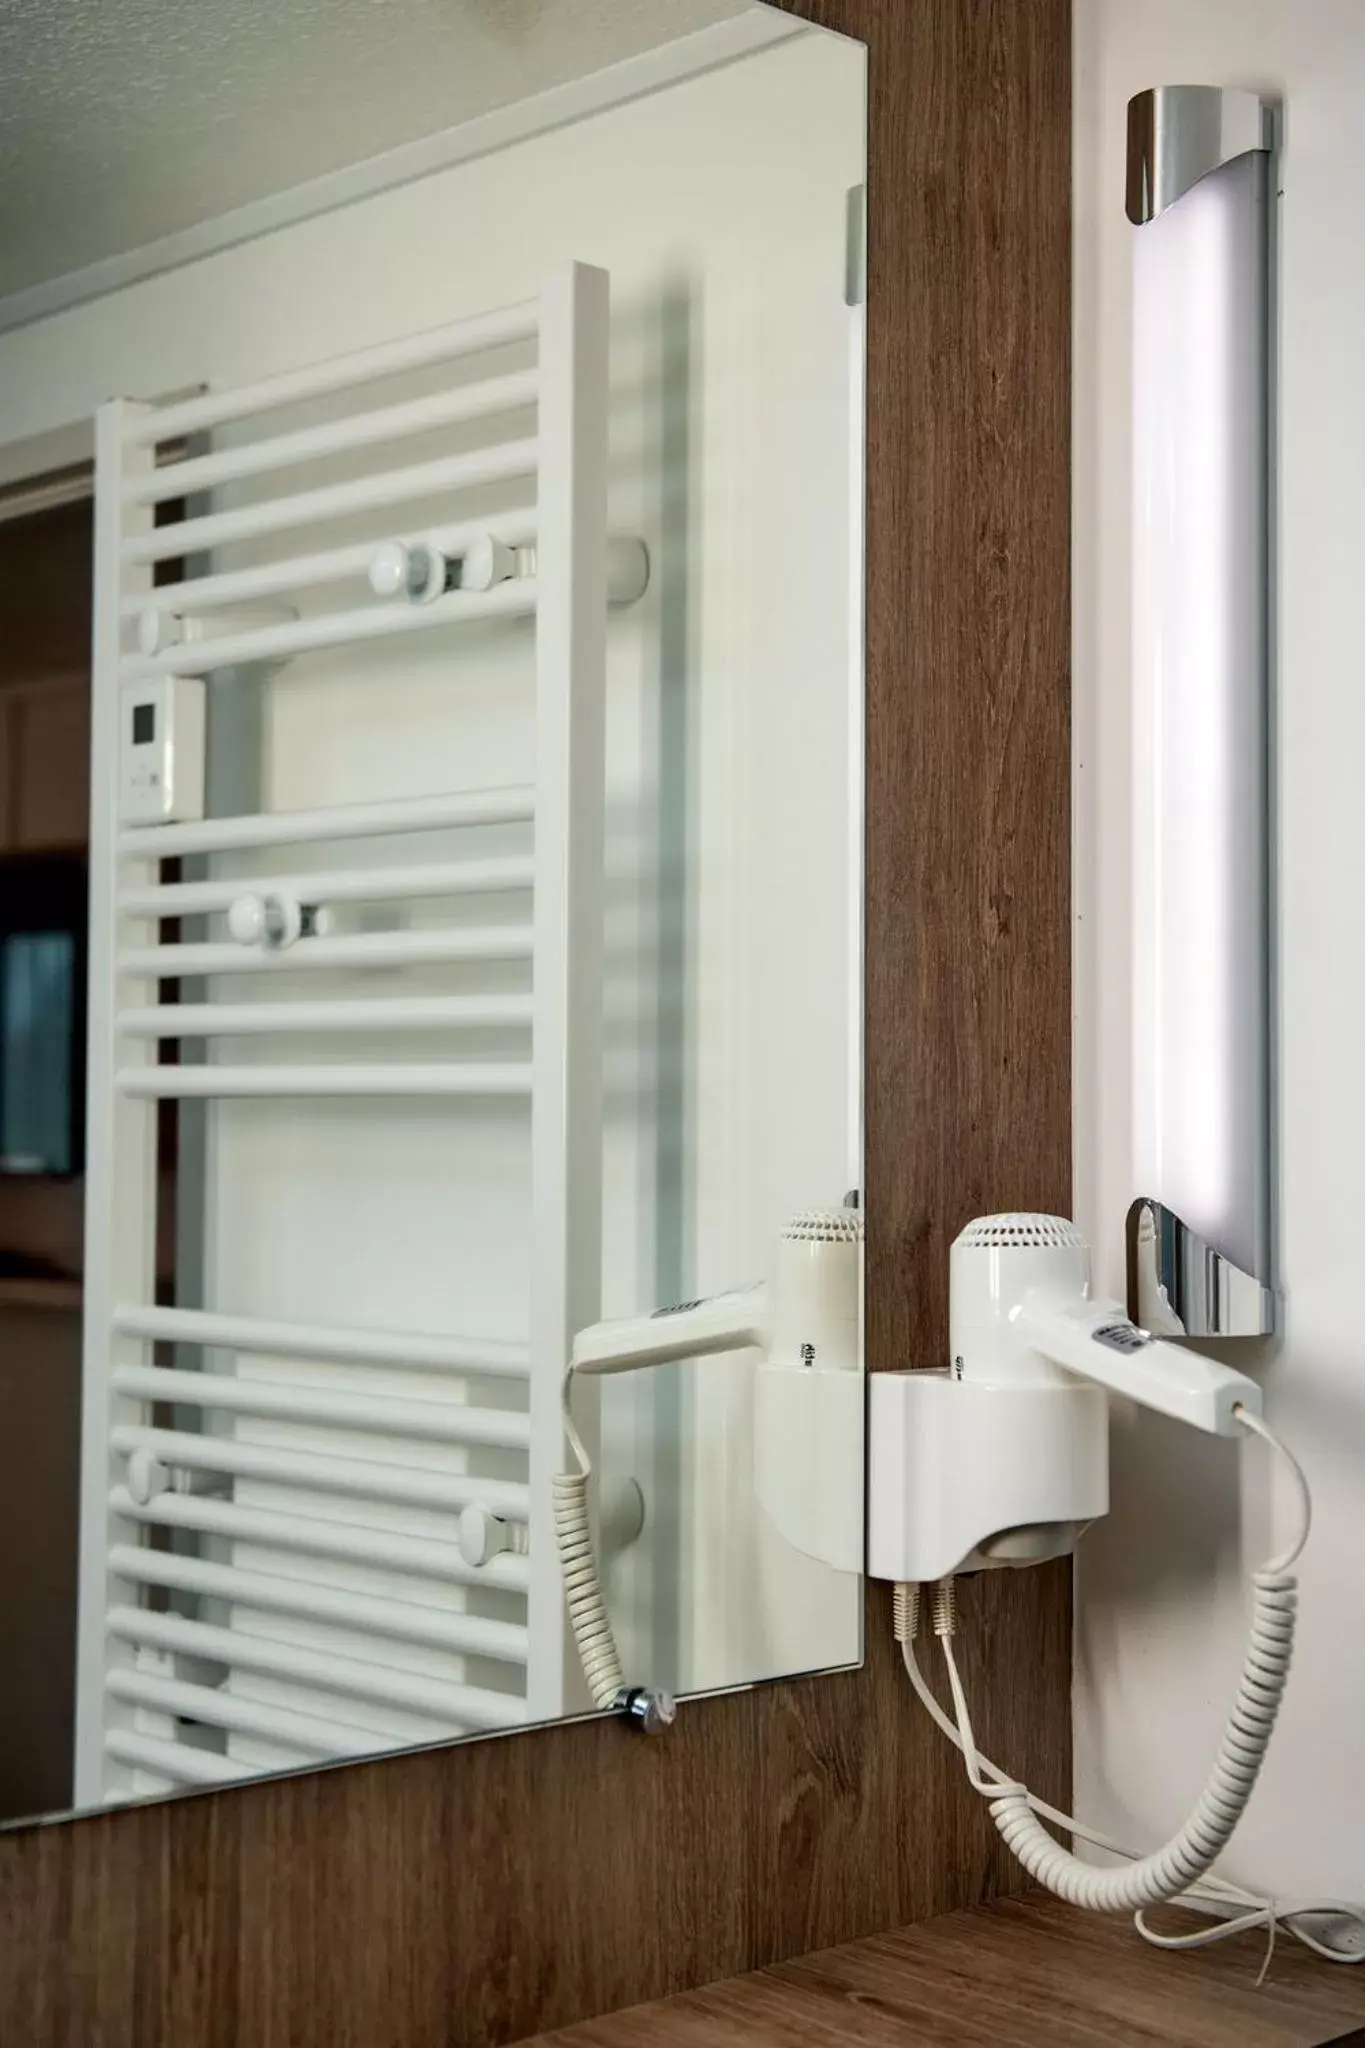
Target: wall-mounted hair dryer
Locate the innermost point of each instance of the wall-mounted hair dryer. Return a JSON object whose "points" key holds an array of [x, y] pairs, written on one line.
{"points": [[808, 1409], [1003, 1459], [1021, 1313]]}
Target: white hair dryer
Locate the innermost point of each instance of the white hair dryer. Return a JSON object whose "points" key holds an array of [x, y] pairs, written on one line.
{"points": [[1003, 1459], [1021, 1313], [808, 1409]]}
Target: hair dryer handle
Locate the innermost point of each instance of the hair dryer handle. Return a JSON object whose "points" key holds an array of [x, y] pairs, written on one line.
{"points": [[723, 1322], [1096, 1340]]}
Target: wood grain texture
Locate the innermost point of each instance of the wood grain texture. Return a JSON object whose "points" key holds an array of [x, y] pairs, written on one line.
{"points": [[45, 600], [40, 1399], [468, 1896], [1022, 1973], [46, 562]]}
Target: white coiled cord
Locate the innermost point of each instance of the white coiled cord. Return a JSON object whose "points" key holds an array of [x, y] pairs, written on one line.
{"points": [[588, 1618], [1174, 1868], [1177, 1872]]}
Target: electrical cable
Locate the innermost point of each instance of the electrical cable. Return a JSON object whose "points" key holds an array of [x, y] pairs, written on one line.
{"points": [[1179, 1872], [582, 1585]]}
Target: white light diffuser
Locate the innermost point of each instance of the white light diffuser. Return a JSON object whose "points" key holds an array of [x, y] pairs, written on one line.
{"points": [[1200, 1228]]}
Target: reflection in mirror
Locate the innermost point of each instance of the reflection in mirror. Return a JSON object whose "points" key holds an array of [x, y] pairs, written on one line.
{"points": [[472, 1250]]}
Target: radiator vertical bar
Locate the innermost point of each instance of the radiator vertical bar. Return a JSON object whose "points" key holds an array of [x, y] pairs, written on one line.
{"points": [[120, 1168], [567, 1028]]}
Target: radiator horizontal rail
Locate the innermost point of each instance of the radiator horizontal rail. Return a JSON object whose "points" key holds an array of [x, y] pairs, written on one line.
{"points": [[290, 387], [334, 501], [335, 437], [464, 1706], [356, 628], [382, 1013], [197, 594], [357, 949], [370, 1478], [467, 1635], [511, 806], [420, 1351], [342, 885], [417, 1079], [180, 1762], [214, 1707], [353, 1543], [426, 1421]]}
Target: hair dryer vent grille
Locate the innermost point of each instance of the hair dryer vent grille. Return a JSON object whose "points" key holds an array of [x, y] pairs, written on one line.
{"points": [[1021, 1230], [826, 1226]]}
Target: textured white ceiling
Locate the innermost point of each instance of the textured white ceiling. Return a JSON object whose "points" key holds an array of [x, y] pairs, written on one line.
{"points": [[125, 120]]}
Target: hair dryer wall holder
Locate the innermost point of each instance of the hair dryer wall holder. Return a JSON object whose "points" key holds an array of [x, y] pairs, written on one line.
{"points": [[809, 1430], [1005, 1459], [964, 1476]]}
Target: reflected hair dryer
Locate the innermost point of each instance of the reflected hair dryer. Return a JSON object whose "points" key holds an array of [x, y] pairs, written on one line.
{"points": [[806, 1315], [805, 1320]]}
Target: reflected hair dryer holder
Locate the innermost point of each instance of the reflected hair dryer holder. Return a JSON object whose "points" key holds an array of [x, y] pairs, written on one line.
{"points": [[808, 1421]]}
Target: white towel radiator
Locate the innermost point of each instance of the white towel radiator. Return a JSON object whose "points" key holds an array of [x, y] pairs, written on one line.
{"points": [[189, 1527]]}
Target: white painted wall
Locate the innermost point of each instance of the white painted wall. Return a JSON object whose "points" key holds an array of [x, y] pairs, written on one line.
{"points": [[1162, 1599], [718, 206]]}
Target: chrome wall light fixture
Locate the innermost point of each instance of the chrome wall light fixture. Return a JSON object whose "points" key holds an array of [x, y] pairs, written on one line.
{"points": [[1199, 195]]}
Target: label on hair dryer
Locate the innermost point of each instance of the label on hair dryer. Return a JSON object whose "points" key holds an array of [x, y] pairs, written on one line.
{"points": [[1121, 1336], [685, 1308]]}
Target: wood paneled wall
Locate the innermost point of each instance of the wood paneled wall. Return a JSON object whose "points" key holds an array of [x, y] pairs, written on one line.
{"points": [[45, 602], [469, 1896]]}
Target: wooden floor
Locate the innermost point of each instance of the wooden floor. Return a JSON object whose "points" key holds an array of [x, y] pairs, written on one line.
{"points": [[1023, 1973]]}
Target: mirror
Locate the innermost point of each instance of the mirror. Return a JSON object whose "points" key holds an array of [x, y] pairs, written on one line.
{"points": [[473, 980]]}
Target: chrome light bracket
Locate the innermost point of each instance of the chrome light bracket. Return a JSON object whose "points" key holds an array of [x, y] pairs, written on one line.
{"points": [[1180, 1285], [1177, 134]]}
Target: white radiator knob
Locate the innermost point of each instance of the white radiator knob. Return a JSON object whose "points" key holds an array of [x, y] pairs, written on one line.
{"points": [[621, 1515], [269, 921], [484, 1536], [147, 1476], [417, 573], [389, 569], [157, 629], [486, 561]]}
